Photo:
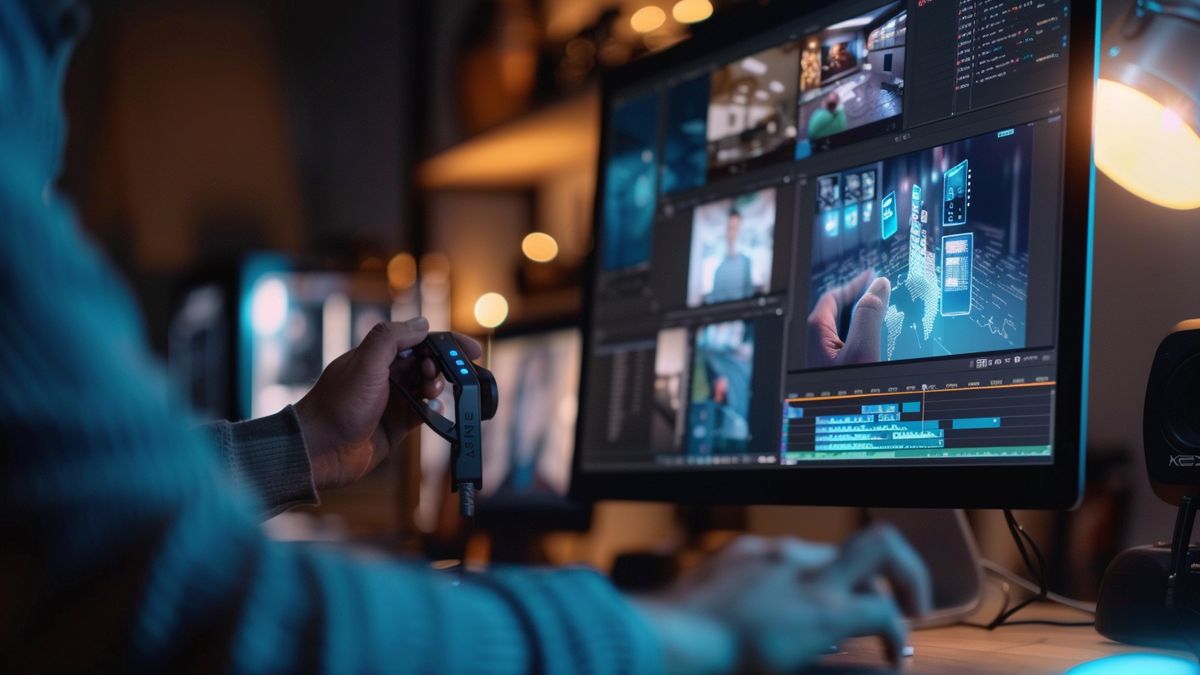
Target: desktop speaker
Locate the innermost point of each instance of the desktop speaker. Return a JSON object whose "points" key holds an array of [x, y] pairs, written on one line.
{"points": [[1171, 420], [1151, 595]]}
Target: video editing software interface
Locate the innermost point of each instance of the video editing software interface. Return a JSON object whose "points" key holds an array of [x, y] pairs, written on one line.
{"points": [[835, 244]]}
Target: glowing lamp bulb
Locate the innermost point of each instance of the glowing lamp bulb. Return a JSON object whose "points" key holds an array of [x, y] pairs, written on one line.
{"points": [[491, 309], [402, 271], [539, 247], [647, 19], [692, 11], [268, 306], [1146, 147]]}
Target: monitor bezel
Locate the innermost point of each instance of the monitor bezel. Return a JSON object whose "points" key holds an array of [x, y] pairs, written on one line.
{"points": [[1035, 486]]}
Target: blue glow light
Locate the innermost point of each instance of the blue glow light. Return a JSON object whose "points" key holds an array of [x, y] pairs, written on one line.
{"points": [[1114, 51], [463, 371], [1143, 664], [453, 352], [459, 362]]}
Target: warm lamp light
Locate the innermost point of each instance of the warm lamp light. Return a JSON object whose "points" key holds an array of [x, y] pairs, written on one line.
{"points": [[491, 309], [402, 271], [1146, 111], [692, 11], [1145, 147], [647, 19], [539, 247]]}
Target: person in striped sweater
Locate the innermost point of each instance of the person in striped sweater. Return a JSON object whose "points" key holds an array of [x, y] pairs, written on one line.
{"points": [[130, 537]]}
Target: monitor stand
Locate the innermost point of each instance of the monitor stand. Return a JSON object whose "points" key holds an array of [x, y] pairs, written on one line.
{"points": [[944, 540]]}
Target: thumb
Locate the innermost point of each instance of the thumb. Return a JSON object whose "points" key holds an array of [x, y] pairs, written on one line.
{"points": [[380, 347], [866, 325]]}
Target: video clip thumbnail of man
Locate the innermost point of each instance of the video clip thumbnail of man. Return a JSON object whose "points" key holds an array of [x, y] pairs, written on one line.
{"points": [[630, 183], [851, 77], [733, 245], [671, 371], [722, 379], [752, 110], [939, 237]]}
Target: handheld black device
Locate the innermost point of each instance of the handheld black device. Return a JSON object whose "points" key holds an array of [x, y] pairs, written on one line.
{"points": [[475, 400]]}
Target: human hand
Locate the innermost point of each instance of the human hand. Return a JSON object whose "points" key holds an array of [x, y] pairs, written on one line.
{"points": [[869, 296], [349, 419], [777, 604]]}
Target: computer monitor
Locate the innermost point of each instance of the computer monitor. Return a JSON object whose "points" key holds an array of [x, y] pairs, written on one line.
{"points": [[842, 257], [529, 444]]}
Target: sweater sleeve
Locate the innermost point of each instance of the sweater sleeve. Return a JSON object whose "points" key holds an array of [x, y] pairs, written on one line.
{"points": [[267, 456], [126, 546]]}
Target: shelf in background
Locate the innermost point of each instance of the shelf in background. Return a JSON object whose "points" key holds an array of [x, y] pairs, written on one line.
{"points": [[520, 153]]}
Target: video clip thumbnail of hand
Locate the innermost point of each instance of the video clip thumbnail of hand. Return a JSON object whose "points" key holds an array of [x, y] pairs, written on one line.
{"points": [[752, 110], [527, 445], [923, 255], [721, 383], [851, 78], [733, 246], [671, 371], [630, 183], [685, 145]]}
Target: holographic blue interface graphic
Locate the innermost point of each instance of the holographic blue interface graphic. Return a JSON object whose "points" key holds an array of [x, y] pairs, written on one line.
{"points": [[957, 261], [954, 210], [629, 183]]}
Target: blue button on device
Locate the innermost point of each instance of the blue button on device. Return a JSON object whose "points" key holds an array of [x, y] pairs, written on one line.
{"points": [[463, 371], [453, 352]]}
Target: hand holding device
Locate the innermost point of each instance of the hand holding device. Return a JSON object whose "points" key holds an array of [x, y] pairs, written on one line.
{"points": [[475, 400], [348, 426]]}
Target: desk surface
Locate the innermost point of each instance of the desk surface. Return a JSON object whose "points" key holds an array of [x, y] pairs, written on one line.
{"points": [[961, 650]]}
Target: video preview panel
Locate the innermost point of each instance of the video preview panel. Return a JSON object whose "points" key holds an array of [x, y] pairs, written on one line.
{"points": [[718, 420], [733, 246], [752, 110], [685, 141], [852, 80], [630, 191], [923, 255]]}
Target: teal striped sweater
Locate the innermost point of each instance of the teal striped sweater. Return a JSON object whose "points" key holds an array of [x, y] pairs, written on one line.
{"points": [[126, 544]]}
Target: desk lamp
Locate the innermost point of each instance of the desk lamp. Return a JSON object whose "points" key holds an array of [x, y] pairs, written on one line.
{"points": [[1147, 112]]}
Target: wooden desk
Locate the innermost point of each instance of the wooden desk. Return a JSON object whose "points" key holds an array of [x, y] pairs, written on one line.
{"points": [[962, 650]]}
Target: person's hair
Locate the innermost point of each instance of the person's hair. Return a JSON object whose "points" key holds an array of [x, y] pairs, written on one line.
{"points": [[735, 213]]}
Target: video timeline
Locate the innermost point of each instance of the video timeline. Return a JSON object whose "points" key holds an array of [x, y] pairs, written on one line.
{"points": [[1009, 420]]}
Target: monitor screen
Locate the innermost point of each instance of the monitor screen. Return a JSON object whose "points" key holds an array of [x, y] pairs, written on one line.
{"points": [[527, 446], [845, 244]]}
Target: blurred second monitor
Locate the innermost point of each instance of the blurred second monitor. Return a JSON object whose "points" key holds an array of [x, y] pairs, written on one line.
{"points": [[527, 447]]}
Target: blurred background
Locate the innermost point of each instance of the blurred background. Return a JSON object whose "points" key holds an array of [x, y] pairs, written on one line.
{"points": [[275, 177]]}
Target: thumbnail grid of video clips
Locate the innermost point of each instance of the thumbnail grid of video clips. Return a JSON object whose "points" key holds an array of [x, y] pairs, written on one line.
{"points": [[839, 85], [915, 256]]}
